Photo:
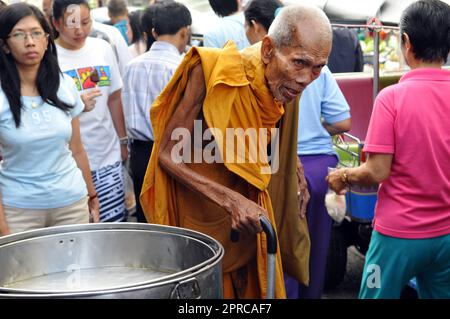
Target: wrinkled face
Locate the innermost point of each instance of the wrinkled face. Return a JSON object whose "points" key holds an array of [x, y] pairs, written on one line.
{"points": [[27, 42], [290, 69], [74, 27]]}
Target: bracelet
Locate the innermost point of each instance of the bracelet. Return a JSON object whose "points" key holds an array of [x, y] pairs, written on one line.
{"points": [[344, 178], [123, 140], [91, 197]]}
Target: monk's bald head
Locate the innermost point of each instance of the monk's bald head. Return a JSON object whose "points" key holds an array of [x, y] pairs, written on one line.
{"points": [[302, 23]]}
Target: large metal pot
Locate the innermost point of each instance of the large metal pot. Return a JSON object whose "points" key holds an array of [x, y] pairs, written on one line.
{"points": [[110, 260]]}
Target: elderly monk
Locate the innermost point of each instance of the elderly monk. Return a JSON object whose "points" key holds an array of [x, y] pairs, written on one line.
{"points": [[215, 90]]}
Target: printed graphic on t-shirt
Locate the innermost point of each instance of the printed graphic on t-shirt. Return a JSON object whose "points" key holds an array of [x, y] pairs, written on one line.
{"points": [[83, 79], [40, 118]]}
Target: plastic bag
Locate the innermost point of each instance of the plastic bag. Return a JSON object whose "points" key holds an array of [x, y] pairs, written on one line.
{"points": [[130, 200], [336, 206]]}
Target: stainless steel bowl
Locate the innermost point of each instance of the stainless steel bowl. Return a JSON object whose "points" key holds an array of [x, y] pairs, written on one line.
{"points": [[110, 260]]}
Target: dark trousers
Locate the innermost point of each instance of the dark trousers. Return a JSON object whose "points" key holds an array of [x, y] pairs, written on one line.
{"points": [[139, 158], [319, 226]]}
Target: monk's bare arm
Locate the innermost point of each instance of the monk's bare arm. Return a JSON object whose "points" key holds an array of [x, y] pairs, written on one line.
{"points": [[244, 212]]}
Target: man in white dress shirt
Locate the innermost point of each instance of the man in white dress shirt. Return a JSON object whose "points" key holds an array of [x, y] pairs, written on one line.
{"points": [[144, 79]]}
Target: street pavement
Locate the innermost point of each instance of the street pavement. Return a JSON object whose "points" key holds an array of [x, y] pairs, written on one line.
{"points": [[349, 287]]}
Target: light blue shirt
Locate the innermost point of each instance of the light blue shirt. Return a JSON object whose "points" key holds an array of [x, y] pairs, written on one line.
{"points": [[228, 28], [144, 79], [322, 99], [38, 169], [122, 27]]}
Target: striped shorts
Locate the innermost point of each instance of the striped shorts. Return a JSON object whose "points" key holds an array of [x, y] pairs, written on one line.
{"points": [[109, 184]]}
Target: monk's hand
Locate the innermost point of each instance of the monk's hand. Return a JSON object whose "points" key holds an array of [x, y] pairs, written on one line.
{"points": [[245, 215], [302, 191], [336, 182]]}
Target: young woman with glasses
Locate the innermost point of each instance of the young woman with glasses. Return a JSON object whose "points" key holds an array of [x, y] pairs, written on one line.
{"points": [[45, 178]]}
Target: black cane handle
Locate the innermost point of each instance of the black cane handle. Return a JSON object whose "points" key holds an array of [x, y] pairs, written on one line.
{"points": [[270, 235]]}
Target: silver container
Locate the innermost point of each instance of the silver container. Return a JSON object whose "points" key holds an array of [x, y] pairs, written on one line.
{"points": [[110, 260]]}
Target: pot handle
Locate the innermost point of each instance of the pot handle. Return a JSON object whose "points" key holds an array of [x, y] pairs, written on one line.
{"points": [[187, 289]]}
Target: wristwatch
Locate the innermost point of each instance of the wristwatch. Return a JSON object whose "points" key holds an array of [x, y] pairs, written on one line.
{"points": [[124, 140]]}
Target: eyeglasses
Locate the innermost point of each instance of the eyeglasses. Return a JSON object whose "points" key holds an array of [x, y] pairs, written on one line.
{"points": [[22, 36]]}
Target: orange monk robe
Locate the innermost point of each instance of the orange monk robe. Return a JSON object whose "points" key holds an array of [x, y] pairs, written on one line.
{"points": [[236, 97]]}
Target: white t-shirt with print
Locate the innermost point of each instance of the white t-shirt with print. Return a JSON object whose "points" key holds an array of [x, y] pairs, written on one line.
{"points": [[98, 134], [120, 47]]}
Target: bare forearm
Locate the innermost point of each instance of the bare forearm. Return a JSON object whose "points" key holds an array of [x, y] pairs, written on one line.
{"points": [[213, 191], [83, 164], [301, 179], [244, 213], [302, 189], [331, 129], [366, 175], [300, 170], [116, 110], [338, 127], [374, 171], [4, 230], [361, 176]]}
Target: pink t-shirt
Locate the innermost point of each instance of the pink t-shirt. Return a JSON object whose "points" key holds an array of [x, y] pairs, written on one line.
{"points": [[411, 120]]}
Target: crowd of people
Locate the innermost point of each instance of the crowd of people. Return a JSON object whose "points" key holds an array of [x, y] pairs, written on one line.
{"points": [[79, 98]]}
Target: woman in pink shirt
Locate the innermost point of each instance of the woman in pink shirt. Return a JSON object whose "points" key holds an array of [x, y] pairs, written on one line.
{"points": [[408, 143]]}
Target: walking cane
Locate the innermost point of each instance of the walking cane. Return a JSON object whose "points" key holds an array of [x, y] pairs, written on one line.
{"points": [[271, 253]]}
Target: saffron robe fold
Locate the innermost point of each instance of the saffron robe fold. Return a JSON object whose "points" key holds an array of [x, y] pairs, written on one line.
{"points": [[293, 231]]}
